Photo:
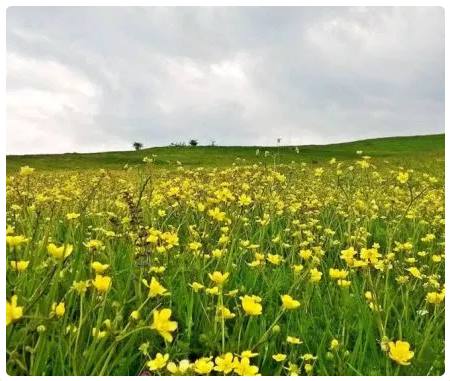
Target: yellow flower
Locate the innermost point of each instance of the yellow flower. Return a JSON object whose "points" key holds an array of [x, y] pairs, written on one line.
{"points": [[292, 369], [384, 344], [26, 171], [400, 353], [94, 244], [196, 286], [158, 362], [375, 307], [217, 253], [216, 214], [308, 357], [289, 303], [274, 259], [436, 258], [308, 368], [279, 357], [428, 238], [218, 278], [13, 311], [157, 269], [315, 275], [183, 367], [72, 216], [58, 309], [156, 288], [152, 238], [200, 207], [358, 263], [99, 334], [370, 255], [251, 304], [402, 177], [297, 268], [98, 267], [305, 254], [338, 274], [80, 287], [293, 340], [348, 255], [170, 238], [59, 252], [243, 367], [173, 191], [135, 315], [70, 329], [212, 290], [256, 263], [344, 283], [363, 163], [107, 323], [415, 272], [143, 348], [402, 279], [224, 313], [249, 354], [223, 239], [19, 265], [224, 363], [244, 200], [203, 365], [232, 292], [102, 283], [435, 297], [195, 246], [15, 240], [163, 324], [334, 344]]}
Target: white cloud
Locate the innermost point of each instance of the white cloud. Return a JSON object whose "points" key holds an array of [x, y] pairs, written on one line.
{"points": [[43, 96], [91, 79]]}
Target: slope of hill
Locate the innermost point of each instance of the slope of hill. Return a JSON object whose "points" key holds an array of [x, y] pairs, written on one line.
{"points": [[397, 148]]}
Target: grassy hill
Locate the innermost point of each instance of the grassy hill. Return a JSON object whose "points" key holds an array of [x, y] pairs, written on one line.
{"points": [[399, 149]]}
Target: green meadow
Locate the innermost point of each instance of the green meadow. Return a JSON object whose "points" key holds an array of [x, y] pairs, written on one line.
{"points": [[316, 260]]}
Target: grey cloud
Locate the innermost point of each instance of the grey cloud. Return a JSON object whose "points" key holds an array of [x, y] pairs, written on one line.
{"points": [[91, 79]]}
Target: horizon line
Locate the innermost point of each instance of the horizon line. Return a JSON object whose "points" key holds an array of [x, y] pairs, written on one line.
{"points": [[226, 146]]}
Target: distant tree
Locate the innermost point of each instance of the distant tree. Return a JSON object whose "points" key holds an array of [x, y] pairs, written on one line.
{"points": [[178, 144], [137, 146], [193, 142]]}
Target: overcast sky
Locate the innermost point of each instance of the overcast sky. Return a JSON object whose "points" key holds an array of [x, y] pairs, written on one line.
{"points": [[97, 79]]}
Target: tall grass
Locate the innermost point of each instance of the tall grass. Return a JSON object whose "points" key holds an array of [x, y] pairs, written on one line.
{"points": [[164, 224]]}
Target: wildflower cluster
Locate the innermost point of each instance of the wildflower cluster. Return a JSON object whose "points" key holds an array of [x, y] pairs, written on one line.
{"points": [[301, 269]]}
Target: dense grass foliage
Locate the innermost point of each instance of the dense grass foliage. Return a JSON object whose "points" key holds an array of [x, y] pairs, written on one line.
{"points": [[399, 148], [332, 268]]}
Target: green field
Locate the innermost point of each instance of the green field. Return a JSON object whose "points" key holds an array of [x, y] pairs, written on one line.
{"points": [[397, 148], [323, 262]]}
